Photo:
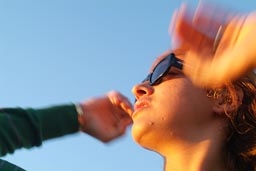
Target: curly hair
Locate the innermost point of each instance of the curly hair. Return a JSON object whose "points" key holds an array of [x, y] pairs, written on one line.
{"points": [[240, 146]]}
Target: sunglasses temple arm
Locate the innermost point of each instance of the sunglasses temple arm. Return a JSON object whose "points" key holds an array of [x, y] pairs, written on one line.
{"points": [[179, 63]]}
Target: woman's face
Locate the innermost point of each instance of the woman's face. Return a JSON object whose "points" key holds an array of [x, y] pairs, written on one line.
{"points": [[170, 110]]}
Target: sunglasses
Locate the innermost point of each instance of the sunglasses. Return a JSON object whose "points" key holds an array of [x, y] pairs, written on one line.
{"points": [[162, 68]]}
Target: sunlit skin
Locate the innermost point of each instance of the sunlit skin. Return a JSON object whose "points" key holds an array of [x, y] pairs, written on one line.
{"points": [[177, 120], [221, 43], [105, 117]]}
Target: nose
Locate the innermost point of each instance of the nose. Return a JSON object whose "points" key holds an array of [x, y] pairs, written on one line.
{"points": [[141, 90]]}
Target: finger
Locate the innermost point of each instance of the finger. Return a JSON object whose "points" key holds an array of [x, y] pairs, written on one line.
{"points": [[179, 15], [208, 17], [121, 101], [213, 73], [189, 35], [233, 57], [200, 70], [114, 97], [201, 28], [231, 65], [194, 39]]}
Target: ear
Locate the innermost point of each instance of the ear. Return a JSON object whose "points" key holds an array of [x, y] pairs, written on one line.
{"points": [[228, 102]]}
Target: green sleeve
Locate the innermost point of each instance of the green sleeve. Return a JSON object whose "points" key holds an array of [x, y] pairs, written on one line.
{"points": [[6, 166], [30, 127]]}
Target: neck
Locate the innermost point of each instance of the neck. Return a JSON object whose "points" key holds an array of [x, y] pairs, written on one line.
{"points": [[202, 156], [203, 152]]}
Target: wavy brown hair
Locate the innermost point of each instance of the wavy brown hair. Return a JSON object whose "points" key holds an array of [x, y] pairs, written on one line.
{"points": [[240, 149]]}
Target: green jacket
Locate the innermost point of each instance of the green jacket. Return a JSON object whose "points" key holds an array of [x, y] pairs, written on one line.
{"points": [[26, 128]]}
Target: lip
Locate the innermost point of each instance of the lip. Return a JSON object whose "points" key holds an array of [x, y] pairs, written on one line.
{"points": [[140, 104]]}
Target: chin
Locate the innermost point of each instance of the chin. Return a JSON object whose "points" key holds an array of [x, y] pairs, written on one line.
{"points": [[143, 136], [136, 132]]}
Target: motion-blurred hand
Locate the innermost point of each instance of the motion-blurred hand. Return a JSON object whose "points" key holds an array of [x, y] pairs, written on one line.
{"points": [[220, 43], [106, 117]]}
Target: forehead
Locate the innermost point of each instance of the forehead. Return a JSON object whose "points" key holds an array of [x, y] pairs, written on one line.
{"points": [[178, 53]]}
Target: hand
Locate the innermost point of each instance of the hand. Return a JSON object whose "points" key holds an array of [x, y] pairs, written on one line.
{"points": [[106, 117], [220, 44]]}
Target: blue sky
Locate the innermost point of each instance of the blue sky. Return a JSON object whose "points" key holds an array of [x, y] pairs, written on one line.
{"points": [[60, 51]]}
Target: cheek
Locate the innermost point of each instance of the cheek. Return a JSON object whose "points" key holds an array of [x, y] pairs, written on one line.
{"points": [[183, 105]]}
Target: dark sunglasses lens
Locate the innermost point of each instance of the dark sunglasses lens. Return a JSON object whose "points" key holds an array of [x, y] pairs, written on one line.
{"points": [[160, 70]]}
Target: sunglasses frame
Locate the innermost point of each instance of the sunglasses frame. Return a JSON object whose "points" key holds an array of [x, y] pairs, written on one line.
{"points": [[172, 61]]}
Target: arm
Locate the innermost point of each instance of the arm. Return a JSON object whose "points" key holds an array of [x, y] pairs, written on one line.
{"points": [[105, 118], [29, 127]]}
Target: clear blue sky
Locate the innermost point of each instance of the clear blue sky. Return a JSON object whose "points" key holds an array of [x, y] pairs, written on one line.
{"points": [[61, 51]]}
